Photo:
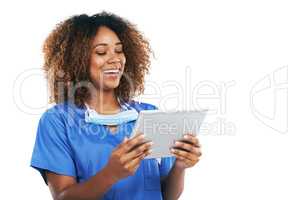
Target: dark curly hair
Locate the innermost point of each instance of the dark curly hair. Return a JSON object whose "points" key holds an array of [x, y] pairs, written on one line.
{"points": [[67, 53]]}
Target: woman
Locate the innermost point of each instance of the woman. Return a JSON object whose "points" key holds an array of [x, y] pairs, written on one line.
{"points": [[95, 65]]}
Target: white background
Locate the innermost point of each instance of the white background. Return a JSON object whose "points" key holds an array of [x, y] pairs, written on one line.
{"points": [[249, 149]]}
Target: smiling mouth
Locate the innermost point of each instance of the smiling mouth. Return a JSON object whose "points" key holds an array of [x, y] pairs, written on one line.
{"points": [[112, 72]]}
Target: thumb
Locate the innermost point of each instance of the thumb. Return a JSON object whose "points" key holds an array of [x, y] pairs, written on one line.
{"points": [[125, 139]]}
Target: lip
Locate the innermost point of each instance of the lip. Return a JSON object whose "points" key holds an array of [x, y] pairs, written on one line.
{"points": [[113, 67]]}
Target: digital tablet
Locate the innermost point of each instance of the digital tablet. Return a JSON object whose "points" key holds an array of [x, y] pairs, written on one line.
{"points": [[164, 128]]}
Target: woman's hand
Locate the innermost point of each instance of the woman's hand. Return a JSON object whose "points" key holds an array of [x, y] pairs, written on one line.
{"points": [[126, 158], [187, 151]]}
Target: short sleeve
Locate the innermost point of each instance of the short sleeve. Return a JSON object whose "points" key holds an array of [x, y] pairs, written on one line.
{"points": [[166, 165], [51, 150]]}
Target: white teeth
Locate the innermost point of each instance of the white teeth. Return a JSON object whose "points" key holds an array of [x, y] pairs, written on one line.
{"points": [[111, 71]]}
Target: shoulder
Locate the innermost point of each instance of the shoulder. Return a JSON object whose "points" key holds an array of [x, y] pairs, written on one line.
{"points": [[57, 112], [142, 105]]}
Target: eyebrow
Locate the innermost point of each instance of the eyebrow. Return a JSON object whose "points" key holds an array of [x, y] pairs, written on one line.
{"points": [[105, 44]]}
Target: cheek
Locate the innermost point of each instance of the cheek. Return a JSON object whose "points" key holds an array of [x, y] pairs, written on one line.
{"points": [[95, 65], [97, 61], [123, 59]]}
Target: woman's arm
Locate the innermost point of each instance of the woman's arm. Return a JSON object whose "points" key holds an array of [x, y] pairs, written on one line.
{"points": [[124, 161], [187, 152], [173, 184], [66, 187]]}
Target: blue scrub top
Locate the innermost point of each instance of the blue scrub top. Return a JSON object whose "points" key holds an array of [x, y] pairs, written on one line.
{"points": [[67, 145]]}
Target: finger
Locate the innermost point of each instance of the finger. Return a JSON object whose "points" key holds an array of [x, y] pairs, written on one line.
{"points": [[188, 162], [188, 147], [192, 139], [130, 143], [125, 139], [185, 154], [134, 163], [135, 152]]}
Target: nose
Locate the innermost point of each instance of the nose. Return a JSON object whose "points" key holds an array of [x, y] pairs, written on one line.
{"points": [[114, 58]]}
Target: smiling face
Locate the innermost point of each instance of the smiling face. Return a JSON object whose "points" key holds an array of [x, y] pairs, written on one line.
{"points": [[107, 60]]}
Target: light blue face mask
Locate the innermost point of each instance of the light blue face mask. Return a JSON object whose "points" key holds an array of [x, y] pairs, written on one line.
{"points": [[127, 114]]}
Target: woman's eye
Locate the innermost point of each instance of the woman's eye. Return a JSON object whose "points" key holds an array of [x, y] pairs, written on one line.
{"points": [[119, 50], [103, 53], [100, 53]]}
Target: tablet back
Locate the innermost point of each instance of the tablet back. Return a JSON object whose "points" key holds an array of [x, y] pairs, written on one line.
{"points": [[163, 128]]}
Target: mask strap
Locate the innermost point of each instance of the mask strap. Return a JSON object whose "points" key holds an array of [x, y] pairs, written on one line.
{"points": [[87, 106]]}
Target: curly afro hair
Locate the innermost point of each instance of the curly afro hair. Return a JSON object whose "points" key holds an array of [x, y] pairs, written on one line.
{"points": [[67, 52]]}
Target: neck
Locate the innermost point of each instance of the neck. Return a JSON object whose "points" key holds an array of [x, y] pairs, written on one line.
{"points": [[104, 102]]}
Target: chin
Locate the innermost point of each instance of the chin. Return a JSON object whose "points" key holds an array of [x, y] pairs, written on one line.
{"points": [[107, 84], [111, 85]]}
